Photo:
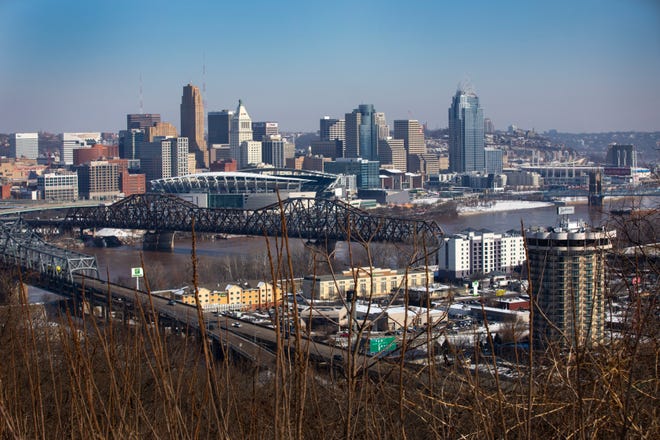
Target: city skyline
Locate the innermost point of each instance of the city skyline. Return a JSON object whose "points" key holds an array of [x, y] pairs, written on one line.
{"points": [[584, 66]]}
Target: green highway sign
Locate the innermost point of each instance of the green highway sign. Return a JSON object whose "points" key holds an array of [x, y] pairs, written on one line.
{"points": [[136, 272]]}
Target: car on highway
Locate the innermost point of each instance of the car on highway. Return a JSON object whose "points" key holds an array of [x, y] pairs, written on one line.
{"points": [[235, 324], [171, 302]]}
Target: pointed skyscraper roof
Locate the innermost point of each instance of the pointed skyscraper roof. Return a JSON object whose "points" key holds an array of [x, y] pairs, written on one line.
{"points": [[241, 112]]}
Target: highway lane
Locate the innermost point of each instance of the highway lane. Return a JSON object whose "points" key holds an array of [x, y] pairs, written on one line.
{"points": [[184, 314], [255, 342]]}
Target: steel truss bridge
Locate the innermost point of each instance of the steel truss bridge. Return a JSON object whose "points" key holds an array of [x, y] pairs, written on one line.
{"points": [[312, 219], [21, 246]]}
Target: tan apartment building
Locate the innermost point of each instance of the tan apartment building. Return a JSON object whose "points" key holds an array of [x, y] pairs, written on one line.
{"points": [[235, 297], [367, 282]]}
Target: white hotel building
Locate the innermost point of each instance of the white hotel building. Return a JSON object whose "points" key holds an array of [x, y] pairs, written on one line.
{"points": [[480, 251]]}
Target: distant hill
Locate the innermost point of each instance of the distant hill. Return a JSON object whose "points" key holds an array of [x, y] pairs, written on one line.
{"points": [[596, 144], [304, 140]]}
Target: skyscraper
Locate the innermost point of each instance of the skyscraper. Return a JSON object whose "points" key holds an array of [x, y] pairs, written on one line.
{"points": [[352, 134], [219, 127], [130, 142], [162, 129], [466, 132], [567, 272], [165, 157], [274, 151], [141, 120], [382, 128], [489, 127], [368, 132], [361, 133], [392, 152], [331, 129], [262, 129], [412, 133], [241, 131], [192, 123]]}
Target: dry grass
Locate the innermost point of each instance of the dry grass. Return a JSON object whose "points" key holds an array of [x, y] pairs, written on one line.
{"points": [[85, 379]]}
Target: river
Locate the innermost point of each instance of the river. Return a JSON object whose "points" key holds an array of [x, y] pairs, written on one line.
{"points": [[118, 261]]}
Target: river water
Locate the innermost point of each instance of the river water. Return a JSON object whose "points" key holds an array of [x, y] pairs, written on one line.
{"points": [[117, 262]]}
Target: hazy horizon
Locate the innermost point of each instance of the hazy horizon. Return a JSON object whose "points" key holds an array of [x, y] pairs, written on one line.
{"points": [[577, 67]]}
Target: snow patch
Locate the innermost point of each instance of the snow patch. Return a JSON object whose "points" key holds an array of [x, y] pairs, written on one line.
{"points": [[501, 205]]}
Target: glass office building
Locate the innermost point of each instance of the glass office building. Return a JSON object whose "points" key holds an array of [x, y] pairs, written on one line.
{"points": [[466, 133]]}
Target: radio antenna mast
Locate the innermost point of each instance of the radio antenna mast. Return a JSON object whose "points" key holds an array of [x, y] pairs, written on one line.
{"points": [[141, 103]]}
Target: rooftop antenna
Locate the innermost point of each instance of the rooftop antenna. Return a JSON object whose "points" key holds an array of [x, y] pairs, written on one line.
{"points": [[204, 81], [141, 104]]}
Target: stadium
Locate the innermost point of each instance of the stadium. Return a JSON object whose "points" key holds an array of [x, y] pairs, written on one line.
{"points": [[247, 189]]}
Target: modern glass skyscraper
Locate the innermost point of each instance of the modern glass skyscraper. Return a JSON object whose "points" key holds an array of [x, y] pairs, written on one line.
{"points": [[368, 132], [466, 133], [361, 133]]}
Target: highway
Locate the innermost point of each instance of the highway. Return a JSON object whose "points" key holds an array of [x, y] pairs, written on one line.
{"points": [[184, 314], [255, 342]]}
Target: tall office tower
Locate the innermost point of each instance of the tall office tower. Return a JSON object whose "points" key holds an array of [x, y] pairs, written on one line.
{"points": [[489, 127], [382, 128], [412, 133], [466, 133], [24, 145], [392, 152], [180, 159], [621, 156], [567, 273], [273, 151], [332, 129], [219, 127], [71, 141], [494, 160], [241, 131], [326, 124], [141, 120], [262, 129], [250, 153], [192, 124], [159, 129], [352, 134], [129, 143], [361, 133], [332, 133], [164, 158], [368, 132]]}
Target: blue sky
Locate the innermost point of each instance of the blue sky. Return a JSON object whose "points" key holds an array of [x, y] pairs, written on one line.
{"points": [[576, 66]]}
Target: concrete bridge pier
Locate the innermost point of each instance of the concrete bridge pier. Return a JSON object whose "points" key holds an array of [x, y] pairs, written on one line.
{"points": [[326, 244], [158, 241]]}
